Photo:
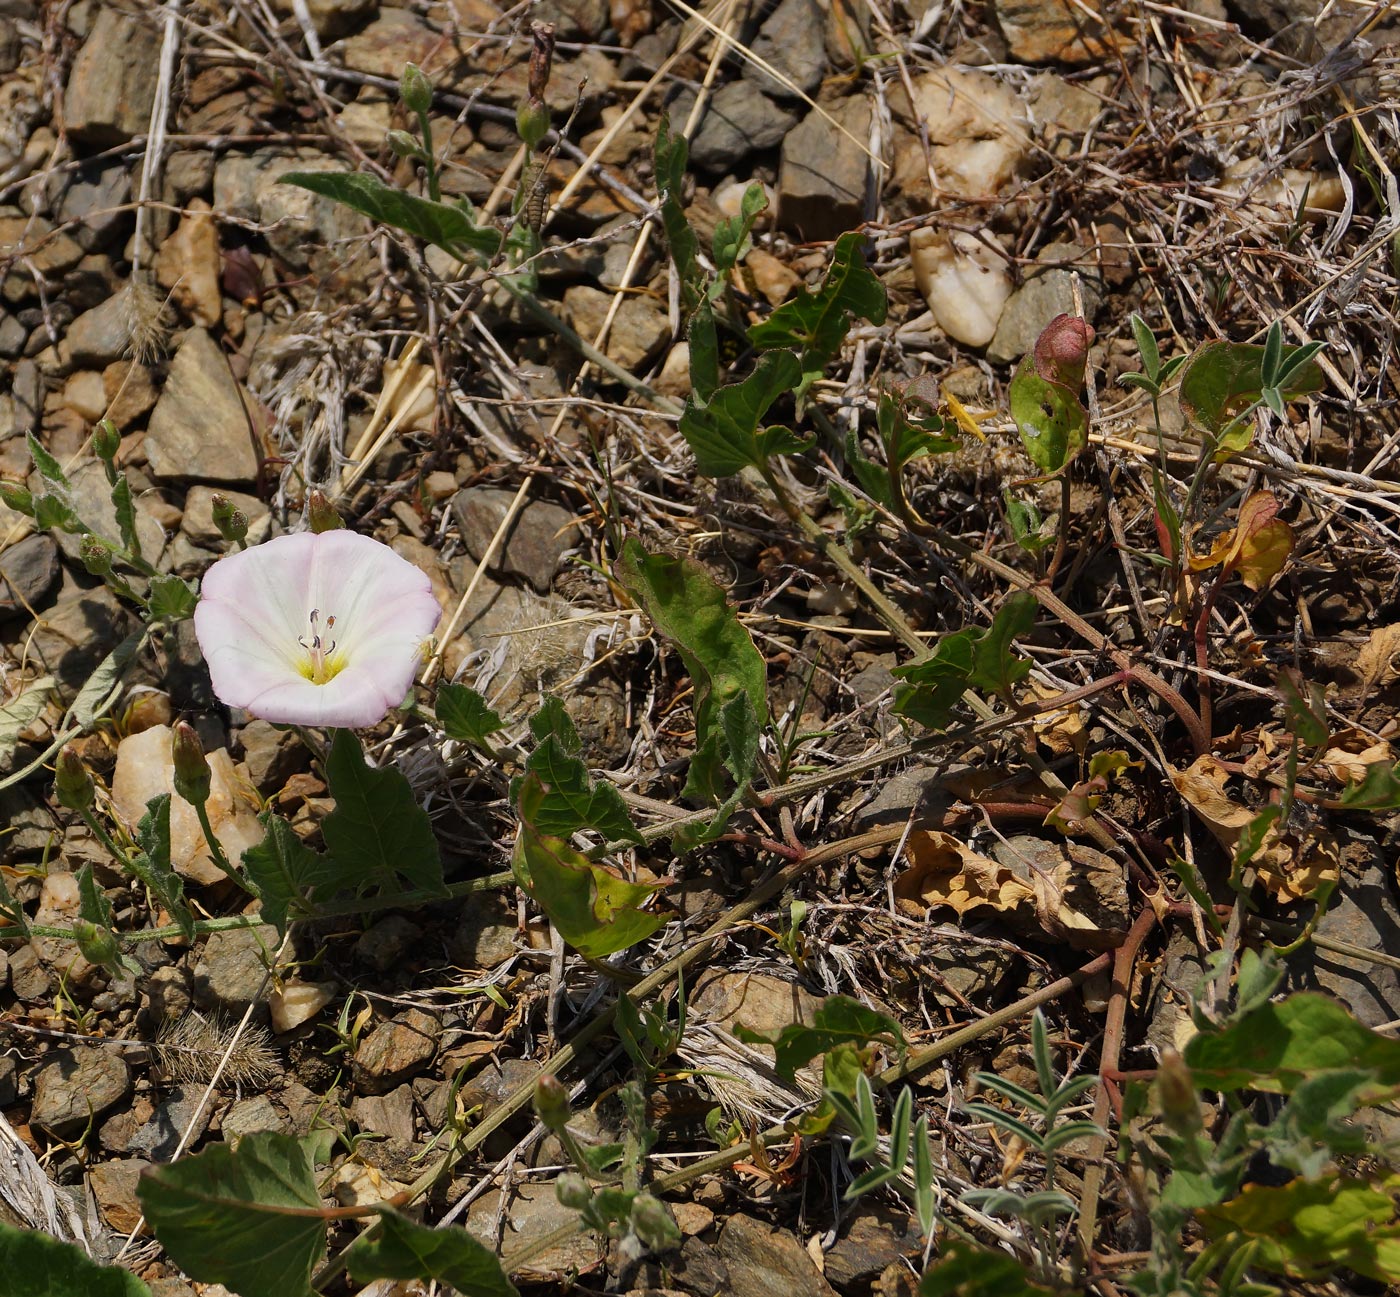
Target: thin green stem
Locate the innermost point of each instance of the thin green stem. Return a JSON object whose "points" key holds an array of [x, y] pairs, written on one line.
{"points": [[216, 850], [106, 839]]}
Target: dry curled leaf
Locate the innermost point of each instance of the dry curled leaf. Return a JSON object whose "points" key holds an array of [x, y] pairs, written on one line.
{"points": [[1257, 547], [1291, 862], [1375, 659]]}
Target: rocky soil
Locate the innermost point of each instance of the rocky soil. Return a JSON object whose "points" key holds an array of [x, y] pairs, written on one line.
{"points": [[1213, 166]]}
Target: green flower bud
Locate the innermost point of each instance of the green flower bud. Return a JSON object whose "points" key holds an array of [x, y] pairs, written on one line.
{"points": [[552, 1102], [532, 122], [99, 945], [191, 769], [73, 788], [95, 553], [403, 145], [572, 1191], [1176, 1092], [322, 513], [232, 523], [415, 89], [106, 440], [17, 497], [653, 1223]]}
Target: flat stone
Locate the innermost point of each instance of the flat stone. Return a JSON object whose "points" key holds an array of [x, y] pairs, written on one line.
{"points": [[271, 755], [250, 1115], [29, 979], [531, 1213], [188, 265], [536, 543], [84, 395], [73, 636], [824, 178], [395, 1050], [755, 1000], [101, 335], [28, 571], [394, 38], [767, 1262], [159, 1137], [871, 1240], [791, 40], [739, 120], [129, 392], [389, 1114], [232, 966], [638, 331], [112, 83], [1054, 31], [1043, 295], [199, 428], [94, 198], [114, 1186], [74, 1085], [388, 942], [485, 935], [332, 18]]}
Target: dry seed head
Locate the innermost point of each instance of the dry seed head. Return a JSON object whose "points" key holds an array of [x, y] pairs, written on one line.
{"points": [[145, 320], [190, 1048]]}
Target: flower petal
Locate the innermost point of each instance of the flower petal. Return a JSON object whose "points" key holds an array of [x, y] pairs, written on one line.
{"points": [[354, 699]]}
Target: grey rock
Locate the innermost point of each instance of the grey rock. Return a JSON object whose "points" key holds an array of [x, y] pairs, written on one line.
{"points": [[45, 250], [91, 497], [333, 18], [27, 394], [1046, 293], [9, 1080], [232, 967], [73, 636], [28, 572], [100, 336], [112, 83], [1096, 889], [394, 38], [199, 428], [271, 755], [389, 1114], [638, 331], [394, 1051], [574, 20], [535, 544], [824, 179], [767, 1262], [962, 971], [9, 46], [187, 173], [13, 335], [160, 1136], [77, 1084], [294, 221], [485, 935], [94, 197], [30, 981], [179, 1288], [90, 283], [791, 40], [738, 121], [872, 1239], [388, 942], [1363, 913], [532, 1212], [250, 1115]]}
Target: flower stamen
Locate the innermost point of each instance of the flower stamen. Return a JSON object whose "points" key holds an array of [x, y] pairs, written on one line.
{"points": [[320, 666]]}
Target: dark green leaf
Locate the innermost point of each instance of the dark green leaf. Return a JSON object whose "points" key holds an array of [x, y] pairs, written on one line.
{"points": [[288, 876], [572, 801], [217, 1214], [53, 513], [669, 158], [1053, 424], [401, 1249], [93, 904], [963, 1270], [839, 1021], [909, 429], [815, 322], [465, 716], [377, 830], [1276, 1046], [172, 599], [36, 1264], [723, 431], [49, 468], [448, 227], [874, 479], [1221, 380], [1147, 349], [1025, 522], [995, 666], [735, 748], [126, 516], [151, 864], [593, 908], [731, 242]]}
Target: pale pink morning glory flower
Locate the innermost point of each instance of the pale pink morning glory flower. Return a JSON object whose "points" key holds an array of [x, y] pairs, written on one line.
{"points": [[320, 628]]}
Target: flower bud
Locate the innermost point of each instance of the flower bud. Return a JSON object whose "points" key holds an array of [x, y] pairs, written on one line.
{"points": [[1176, 1092], [95, 553], [572, 1191], [73, 788], [653, 1223], [321, 513], [106, 440], [541, 56], [403, 145], [98, 945], [532, 122], [415, 89], [232, 523], [552, 1102], [191, 769], [17, 497]]}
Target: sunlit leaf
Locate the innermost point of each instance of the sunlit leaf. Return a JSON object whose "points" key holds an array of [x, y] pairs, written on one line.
{"points": [[465, 715], [403, 1249], [838, 1021], [723, 431], [1053, 424]]}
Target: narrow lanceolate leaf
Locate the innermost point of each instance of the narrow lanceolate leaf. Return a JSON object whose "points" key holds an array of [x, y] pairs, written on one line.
{"points": [[449, 228], [465, 715], [377, 831], [594, 909], [35, 1264], [93, 697], [402, 1249], [287, 875], [222, 1215], [723, 431]]}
